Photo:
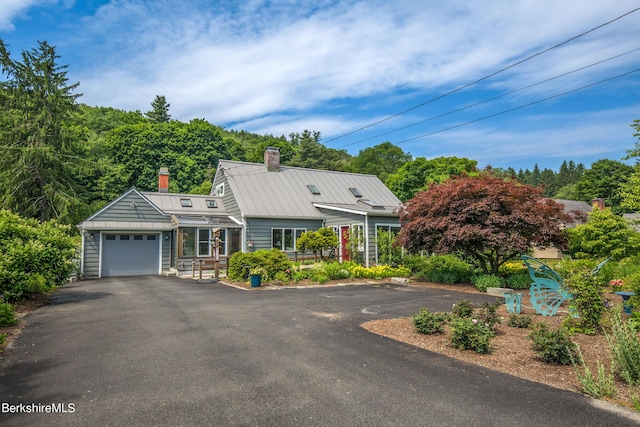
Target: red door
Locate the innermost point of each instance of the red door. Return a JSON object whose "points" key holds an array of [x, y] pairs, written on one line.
{"points": [[344, 241]]}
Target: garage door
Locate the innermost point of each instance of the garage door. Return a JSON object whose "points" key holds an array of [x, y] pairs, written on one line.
{"points": [[130, 254]]}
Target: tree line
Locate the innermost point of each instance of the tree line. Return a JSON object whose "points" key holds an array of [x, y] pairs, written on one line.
{"points": [[64, 160]]}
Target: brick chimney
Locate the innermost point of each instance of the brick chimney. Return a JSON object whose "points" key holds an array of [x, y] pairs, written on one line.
{"points": [[163, 180], [272, 159], [598, 203]]}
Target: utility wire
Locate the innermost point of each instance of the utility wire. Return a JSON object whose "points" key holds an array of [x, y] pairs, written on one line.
{"points": [[451, 92], [519, 107], [490, 99]]}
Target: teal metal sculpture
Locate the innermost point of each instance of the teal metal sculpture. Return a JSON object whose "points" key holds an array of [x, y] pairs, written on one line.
{"points": [[548, 291], [513, 300]]}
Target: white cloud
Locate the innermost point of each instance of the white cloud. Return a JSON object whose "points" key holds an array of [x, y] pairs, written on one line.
{"points": [[238, 65], [11, 9]]}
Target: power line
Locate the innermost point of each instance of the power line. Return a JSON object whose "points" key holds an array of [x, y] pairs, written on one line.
{"points": [[483, 78], [519, 107], [490, 99]]}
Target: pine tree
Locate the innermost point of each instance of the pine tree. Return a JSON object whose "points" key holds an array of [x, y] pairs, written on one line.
{"points": [[39, 145], [160, 112]]}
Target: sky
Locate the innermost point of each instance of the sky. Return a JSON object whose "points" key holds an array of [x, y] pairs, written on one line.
{"points": [[508, 83]]}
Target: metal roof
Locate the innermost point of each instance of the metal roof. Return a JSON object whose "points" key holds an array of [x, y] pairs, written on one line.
{"points": [[171, 203], [127, 225], [261, 193]]}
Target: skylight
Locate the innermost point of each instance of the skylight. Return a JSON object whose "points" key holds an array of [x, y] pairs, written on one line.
{"points": [[355, 192], [185, 203], [313, 189], [374, 205], [211, 203]]}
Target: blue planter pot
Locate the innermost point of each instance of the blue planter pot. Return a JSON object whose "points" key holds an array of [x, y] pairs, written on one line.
{"points": [[255, 280], [626, 304]]}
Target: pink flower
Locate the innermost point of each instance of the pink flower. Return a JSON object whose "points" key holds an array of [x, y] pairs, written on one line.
{"points": [[475, 321]]}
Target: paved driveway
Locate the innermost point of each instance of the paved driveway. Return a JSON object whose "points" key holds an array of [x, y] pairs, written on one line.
{"points": [[166, 351]]}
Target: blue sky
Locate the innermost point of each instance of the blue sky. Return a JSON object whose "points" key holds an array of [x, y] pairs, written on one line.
{"points": [[282, 66]]}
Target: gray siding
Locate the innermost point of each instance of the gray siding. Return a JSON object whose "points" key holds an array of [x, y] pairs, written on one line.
{"points": [[228, 199], [259, 230], [91, 261], [122, 210], [166, 250]]}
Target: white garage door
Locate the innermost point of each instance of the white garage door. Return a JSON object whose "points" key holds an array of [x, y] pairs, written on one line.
{"points": [[130, 254]]}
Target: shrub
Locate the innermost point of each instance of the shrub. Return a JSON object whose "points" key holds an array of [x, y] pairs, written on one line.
{"points": [[485, 281], [415, 263], [446, 269], [471, 334], [336, 271], [429, 323], [518, 281], [520, 321], [625, 348], [587, 302], [463, 309], [552, 345], [600, 385], [511, 268], [271, 260], [7, 315], [34, 257], [487, 313]]}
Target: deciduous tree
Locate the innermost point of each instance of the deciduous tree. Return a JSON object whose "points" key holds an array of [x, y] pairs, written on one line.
{"points": [[381, 160], [415, 175], [488, 218], [605, 234]]}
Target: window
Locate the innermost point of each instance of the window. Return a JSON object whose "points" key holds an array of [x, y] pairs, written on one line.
{"points": [[219, 190], [185, 203], [188, 242], [313, 189], [195, 242], [151, 237], [211, 203], [124, 237], [204, 248], [110, 237], [285, 238], [357, 233], [386, 253], [137, 237], [355, 192]]}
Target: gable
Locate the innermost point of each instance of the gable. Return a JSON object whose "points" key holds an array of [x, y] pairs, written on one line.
{"points": [[130, 207]]}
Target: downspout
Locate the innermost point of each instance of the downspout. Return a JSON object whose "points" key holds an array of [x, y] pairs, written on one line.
{"points": [[366, 241], [82, 253]]}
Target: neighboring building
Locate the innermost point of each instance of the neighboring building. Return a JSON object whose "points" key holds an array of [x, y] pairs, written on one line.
{"points": [[568, 207], [252, 206]]}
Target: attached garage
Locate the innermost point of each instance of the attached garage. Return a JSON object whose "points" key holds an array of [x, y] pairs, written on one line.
{"points": [[125, 254]]}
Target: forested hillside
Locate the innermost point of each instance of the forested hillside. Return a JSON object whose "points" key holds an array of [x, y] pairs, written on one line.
{"points": [[63, 159]]}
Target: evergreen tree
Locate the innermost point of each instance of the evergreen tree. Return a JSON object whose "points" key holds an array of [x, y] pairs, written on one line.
{"points": [[40, 150], [160, 112]]}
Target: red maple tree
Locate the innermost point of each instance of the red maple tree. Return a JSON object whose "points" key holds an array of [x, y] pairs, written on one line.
{"points": [[490, 219]]}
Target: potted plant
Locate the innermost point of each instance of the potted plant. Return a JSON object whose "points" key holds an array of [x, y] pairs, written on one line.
{"points": [[255, 276]]}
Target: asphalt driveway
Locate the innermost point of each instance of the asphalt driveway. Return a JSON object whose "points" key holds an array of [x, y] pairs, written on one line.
{"points": [[166, 351]]}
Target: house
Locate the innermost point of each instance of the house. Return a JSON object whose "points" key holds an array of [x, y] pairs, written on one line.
{"points": [[252, 206], [568, 207], [275, 204]]}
